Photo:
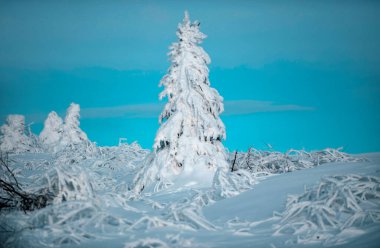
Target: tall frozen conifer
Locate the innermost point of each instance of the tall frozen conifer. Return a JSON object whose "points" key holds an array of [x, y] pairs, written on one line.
{"points": [[188, 148]]}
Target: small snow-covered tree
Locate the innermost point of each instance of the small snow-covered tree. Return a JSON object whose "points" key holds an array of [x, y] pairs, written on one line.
{"points": [[72, 134], [53, 129], [188, 146], [14, 138]]}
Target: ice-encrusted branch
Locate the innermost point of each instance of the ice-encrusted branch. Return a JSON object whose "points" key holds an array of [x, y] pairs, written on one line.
{"points": [[336, 204]]}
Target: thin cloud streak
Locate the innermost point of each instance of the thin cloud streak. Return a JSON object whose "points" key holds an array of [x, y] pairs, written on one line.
{"points": [[245, 107], [153, 110], [239, 107], [148, 110]]}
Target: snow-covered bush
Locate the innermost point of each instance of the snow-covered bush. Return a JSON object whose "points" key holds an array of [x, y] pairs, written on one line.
{"points": [[13, 195], [66, 183], [247, 168], [59, 136], [263, 163], [188, 148], [326, 211], [51, 135], [72, 134], [227, 184], [65, 224], [14, 138]]}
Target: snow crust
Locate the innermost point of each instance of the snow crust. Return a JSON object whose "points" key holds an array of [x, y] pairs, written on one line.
{"points": [[91, 204]]}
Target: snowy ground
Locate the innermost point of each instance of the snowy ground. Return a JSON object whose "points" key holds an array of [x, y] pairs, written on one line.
{"points": [[106, 214]]}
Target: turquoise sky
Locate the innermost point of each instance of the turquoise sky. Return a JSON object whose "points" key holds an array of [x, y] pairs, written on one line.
{"points": [[294, 74]]}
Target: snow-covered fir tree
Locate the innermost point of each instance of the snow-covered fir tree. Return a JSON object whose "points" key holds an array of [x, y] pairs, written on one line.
{"points": [[188, 146], [72, 134], [51, 135], [14, 138]]}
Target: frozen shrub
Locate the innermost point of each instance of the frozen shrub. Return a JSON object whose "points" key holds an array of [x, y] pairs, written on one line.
{"points": [[13, 136], [72, 134], [66, 184], [51, 135], [264, 163], [337, 204], [59, 136]]}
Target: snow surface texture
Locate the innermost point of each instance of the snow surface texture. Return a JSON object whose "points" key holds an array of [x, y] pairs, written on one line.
{"points": [[332, 211], [90, 205], [188, 148]]}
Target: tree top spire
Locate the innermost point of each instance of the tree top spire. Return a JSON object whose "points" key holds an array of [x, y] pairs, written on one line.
{"points": [[186, 19], [189, 32]]}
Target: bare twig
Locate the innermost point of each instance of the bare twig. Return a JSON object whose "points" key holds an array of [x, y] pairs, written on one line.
{"points": [[12, 196], [233, 163]]}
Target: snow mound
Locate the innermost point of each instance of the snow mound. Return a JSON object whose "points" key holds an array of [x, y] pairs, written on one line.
{"points": [[337, 206], [228, 184], [147, 243]]}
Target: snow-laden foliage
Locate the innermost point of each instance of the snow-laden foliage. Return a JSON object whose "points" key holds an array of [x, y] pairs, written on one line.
{"points": [[263, 163], [59, 136], [227, 184], [15, 138], [327, 211], [188, 148], [247, 168], [68, 223], [65, 183], [13, 196], [72, 183], [72, 134], [89, 201], [51, 134]]}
